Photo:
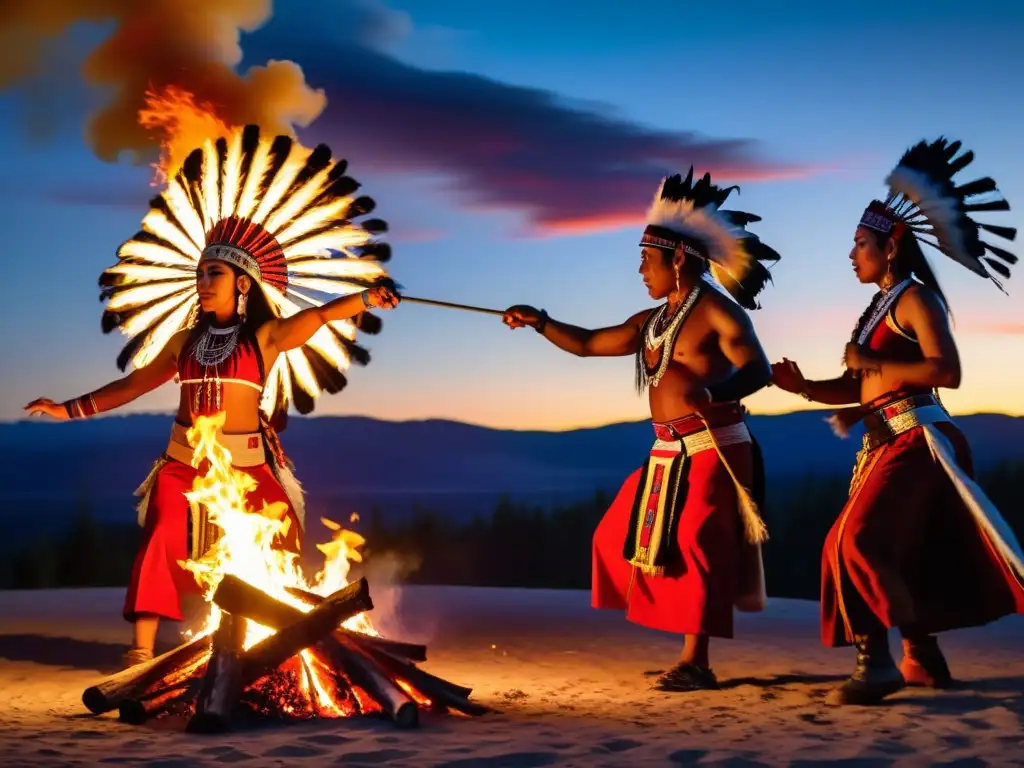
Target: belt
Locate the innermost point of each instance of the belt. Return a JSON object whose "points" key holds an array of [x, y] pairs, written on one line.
{"points": [[246, 450], [890, 421], [705, 440]]}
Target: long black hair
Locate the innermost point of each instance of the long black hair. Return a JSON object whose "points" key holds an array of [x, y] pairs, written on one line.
{"points": [[911, 262]]}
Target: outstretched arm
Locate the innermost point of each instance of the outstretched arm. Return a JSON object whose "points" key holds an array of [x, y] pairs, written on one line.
{"points": [[286, 333], [741, 347], [844, 390], [119, 392], [616, 341]]}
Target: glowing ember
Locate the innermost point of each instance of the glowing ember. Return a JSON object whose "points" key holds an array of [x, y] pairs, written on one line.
{"points": [[180, 124], [247, 548]]}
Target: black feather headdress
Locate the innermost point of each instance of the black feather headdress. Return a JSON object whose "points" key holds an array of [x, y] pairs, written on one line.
{"points": [[688, 214], [924, 200]]}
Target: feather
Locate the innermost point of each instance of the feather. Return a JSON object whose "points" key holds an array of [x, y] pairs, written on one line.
{"points": [[923, 196], [998, 267], [1005, 255], [290, 209], [692, 210], [978, 187], [1007, 233]]}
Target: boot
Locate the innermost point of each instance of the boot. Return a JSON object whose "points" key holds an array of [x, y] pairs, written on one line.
{"points": [[875, 677], [923, 663]]}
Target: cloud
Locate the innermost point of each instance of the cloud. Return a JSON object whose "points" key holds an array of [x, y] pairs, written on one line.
{"points": [[568, 168]]}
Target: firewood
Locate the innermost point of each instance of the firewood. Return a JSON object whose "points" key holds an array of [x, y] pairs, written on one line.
{"points": [[222, 684], [132, 682], [136, 711], [442, 694], [296, 636], [361, 670], [236, 596], [409, 651]]}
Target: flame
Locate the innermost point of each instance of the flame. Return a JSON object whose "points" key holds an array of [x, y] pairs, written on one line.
{"points": [[180, 124], [248, 549]]}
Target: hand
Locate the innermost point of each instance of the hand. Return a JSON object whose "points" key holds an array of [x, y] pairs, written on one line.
{"points": [[788, 377], [521, 316], [45, 405], [381, 297], [859, 359]]}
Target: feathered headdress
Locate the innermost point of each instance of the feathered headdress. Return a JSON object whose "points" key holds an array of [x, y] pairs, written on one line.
{"points": [[688, 214], [923, 199], [281, 213]]}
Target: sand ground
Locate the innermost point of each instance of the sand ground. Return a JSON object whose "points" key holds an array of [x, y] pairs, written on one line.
{"points": [[570, 683]]}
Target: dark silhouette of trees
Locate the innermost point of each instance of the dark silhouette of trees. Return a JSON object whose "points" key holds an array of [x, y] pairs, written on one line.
{"points": [[517, 545]]}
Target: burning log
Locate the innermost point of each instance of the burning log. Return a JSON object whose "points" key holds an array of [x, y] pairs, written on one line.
{"points": [[363, 666], [223, 681], [239, 597], [442, 693], [361, 671], [307, 631], [408, 651], [136, 711], [132, 682]]}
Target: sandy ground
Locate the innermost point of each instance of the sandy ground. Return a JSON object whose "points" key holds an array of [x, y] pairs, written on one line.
{"points": [[570, 683]]}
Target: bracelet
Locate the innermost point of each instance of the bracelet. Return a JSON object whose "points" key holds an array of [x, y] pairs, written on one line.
{"points": [[364, 295], [543, 322], [81, 407]]}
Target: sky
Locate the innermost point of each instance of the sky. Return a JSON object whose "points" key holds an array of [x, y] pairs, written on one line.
{"points": [[514, 148]]}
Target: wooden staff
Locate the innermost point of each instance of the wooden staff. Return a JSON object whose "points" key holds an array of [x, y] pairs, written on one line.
{"points": [[451, 305]]}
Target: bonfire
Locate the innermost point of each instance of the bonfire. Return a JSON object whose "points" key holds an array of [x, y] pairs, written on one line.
{"points": [[275, 644]]}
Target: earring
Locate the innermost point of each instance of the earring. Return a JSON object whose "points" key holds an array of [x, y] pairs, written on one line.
{"points": [[678, 287], [888, 280], [243, 299]]}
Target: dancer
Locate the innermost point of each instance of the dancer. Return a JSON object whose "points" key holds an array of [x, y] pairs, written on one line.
{"points": [[918, 546], [680, 544], [208, 292]]}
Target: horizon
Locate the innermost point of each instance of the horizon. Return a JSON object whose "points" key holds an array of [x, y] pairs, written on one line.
{"points": [[515, 164], [121, 414]]}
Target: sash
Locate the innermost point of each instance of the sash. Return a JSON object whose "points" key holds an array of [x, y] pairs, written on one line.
{"points": [[924, 412], [651, 543]]}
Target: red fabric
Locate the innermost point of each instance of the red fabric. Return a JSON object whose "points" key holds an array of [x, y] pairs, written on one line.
{"points": [[696, 595], [242, 363], [157, 581], [908, 553], [886, 342]]}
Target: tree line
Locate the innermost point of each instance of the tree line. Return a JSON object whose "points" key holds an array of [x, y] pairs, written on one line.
{"points": [[517, 545]]}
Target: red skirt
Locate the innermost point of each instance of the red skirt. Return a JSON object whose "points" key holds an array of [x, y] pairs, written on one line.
{"points": [[697, 592], [157, 581], [906, 552]]}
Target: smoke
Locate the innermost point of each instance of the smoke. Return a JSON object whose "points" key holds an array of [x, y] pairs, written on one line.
{"points": [[192, 45], [387, 571]]}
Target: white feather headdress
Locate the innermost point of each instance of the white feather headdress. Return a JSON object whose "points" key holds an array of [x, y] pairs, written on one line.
{"points": [[923, 199], [688, 215], [280, 212]]}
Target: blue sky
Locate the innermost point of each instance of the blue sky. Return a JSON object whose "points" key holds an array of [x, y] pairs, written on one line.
{"points": [[829, 96]]}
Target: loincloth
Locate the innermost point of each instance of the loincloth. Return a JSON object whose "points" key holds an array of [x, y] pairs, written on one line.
{"points": [[661, 493]]}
